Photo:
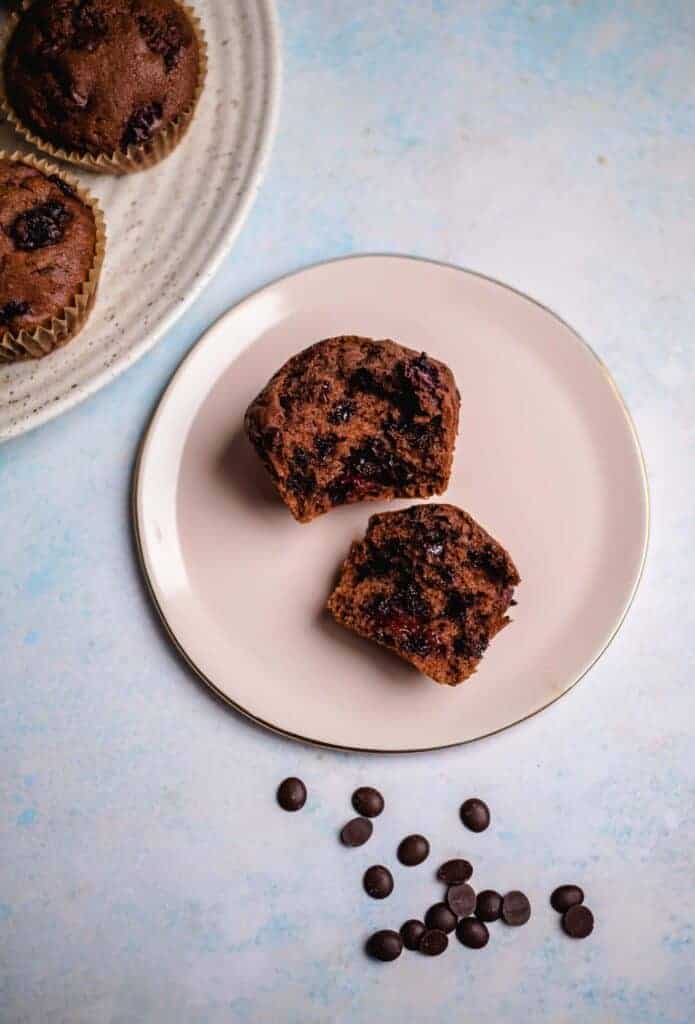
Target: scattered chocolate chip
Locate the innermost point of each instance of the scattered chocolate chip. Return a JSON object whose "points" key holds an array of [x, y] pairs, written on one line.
{"points": [[411, 933], [454, 872], [516, 908], [368, 802], [292, 794], [385, 945], [378, 882], [356, 832], [566, 896], [472, 933], [440, 918], [475, 814], [141, 124], [578, 921], [413, 850], [433, 942], [13, 309], [488, 906], [40, 226], [461, 899]]}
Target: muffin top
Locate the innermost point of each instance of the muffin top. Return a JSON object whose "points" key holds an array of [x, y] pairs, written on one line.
{"points": [[99, 76], [47, 244]]}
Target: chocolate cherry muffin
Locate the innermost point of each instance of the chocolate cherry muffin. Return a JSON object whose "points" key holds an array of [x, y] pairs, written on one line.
{"points": [[429, 584], [51, 246], [107, 83], [350, 419]]}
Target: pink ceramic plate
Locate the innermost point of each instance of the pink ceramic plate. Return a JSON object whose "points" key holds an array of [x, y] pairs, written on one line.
{"points": [[547, 460]]}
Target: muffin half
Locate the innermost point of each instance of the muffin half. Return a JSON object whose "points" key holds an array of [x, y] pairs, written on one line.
{"points": [[52, 241], [109, 84], [430, 584], [351, 419]]}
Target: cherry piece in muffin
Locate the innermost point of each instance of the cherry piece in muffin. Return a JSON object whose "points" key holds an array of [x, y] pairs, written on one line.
{"points": [[431, 585], [350, 419]]}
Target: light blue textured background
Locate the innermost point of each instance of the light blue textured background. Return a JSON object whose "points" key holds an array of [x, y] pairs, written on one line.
{"points": [[145, 874]]}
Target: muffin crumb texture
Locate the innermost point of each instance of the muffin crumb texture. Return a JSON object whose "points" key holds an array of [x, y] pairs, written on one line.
{"points": [[431, 585], [351, 419]]}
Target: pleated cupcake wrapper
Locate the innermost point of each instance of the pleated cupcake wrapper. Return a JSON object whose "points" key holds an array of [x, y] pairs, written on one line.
{"points": [[39, 341], [135, 158]]}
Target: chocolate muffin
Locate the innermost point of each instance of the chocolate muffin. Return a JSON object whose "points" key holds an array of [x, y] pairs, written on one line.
{"points": [[429, 584], [50, 254], [99, 77], [350, 419]]}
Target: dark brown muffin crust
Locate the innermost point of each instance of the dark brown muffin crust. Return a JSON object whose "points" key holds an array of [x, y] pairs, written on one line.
{"points": [[350, 419], [429, 584], [98, 76], [47, 246]]}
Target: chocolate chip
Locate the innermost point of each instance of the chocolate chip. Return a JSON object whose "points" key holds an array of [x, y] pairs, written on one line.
{"points": [[292, 794], [411, 933], [491, 561], [454, 872], [516, 908], [13, 309], [378, 882], [368, 802], [324, 446], [164, 37], [461, 899], [356, 832], [471, 645], [440, 918], [578, 921], [341, 412], [488, 906], [40, 226], [475, 814], [472, 933], [385, 945], [413, 850], [141, 124], [566, 896], [433, 942], [89, 27]]}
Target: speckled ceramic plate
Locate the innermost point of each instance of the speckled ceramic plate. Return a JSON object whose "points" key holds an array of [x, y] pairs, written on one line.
{"points": [[169, 227], [547, 459]]}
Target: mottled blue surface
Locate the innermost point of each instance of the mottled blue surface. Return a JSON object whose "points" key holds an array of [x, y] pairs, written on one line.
{"points": [[145, 874]]}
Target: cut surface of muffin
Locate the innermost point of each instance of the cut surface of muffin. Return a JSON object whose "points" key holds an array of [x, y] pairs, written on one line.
{"points": [[47, 246], [351, 419], [430, 584], [99, 76]]}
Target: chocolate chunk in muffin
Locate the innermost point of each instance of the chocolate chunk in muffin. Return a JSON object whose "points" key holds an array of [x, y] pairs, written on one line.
{"points": [[98, 76], [350, 419], [429, 584], [47, 246]]}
